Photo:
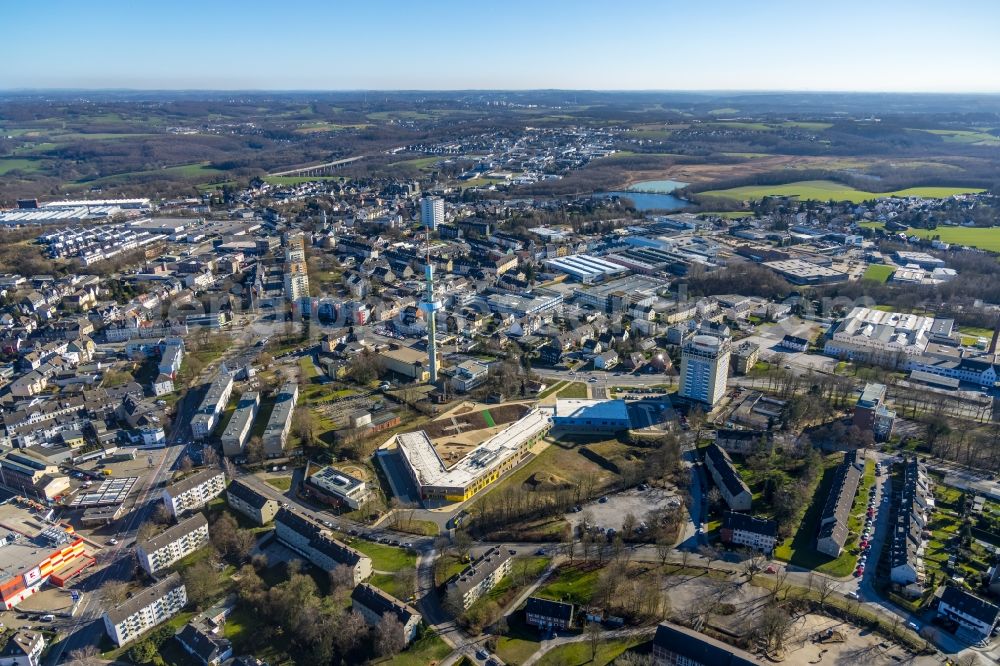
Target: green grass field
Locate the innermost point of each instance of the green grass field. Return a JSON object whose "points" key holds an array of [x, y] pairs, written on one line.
{"points": [[384, 558], [429, 649], [571, 583], [729, 214], [965, 136], [735, 124], [816, 127], [490, 423], [878, 273], [985, 238], [14, 164], [422, 163], [283, 483], [823, 190], [578, 654], [574, 390]]}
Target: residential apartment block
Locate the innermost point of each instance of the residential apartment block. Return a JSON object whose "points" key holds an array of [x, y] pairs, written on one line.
{"points": [[906, 548], [976, 618], [727, 479], [280, 422], [252, 504], [833, 530], [547, 614], [145, 610], [373, 603], [234, 437], [311, 540], [193, 491], [173, 543], [674, 645], [212, 405], [481, 576], [739, 529]]}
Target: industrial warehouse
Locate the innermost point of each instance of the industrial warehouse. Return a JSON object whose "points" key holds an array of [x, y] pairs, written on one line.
{"points": [[482, 466]]}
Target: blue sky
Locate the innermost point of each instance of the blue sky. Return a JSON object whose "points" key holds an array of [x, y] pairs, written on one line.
{"points": [[876, 45]]}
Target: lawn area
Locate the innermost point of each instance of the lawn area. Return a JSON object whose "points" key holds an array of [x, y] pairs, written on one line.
{"points": [[985, 238], [419, 527], [308, 367], [573, 583], [393, 585], [428, 649], [447, 566], [519, 643], [578, 654], [552, 389], [384, 558], [878, 273], [527, 569], [282, 483], [573, 390], [823, 190], [490, 423], [800, 548]]}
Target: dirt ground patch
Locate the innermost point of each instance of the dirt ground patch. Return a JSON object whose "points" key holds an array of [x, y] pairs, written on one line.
{"points": [[611, 514], [357, 471], [860, 646]]}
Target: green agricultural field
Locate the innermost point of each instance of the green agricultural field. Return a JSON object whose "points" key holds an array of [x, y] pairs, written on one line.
{"points": [[732, 124], [823, 190], [312, 128], [985, 238], [966, 136], [878, 273], [729, 214], [8, 165], [422, 163], [817, 127]]}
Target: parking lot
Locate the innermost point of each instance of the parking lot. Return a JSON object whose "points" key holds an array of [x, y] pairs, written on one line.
{"points": [[610, 514]]}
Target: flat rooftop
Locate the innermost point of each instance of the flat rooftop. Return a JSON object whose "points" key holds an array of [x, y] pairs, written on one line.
{"points": [[405, 355], [335, 481], [430, 470], [632, 284], [573, 408]]}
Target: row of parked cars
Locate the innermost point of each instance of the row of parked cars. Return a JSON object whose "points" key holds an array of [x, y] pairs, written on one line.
{"points": [[869, 529]]}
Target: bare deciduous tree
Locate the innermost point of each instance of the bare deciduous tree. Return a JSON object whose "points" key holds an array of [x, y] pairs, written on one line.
{"points": [[389, 639]]}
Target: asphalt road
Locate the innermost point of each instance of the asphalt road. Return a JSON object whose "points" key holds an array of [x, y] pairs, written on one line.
{"points": [[118, 562]]}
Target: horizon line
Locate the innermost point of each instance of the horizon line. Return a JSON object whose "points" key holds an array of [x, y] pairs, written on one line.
{"points": [[750, 91]]}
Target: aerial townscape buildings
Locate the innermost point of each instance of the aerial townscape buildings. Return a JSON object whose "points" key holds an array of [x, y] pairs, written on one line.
{"points": [[380, 378]]}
